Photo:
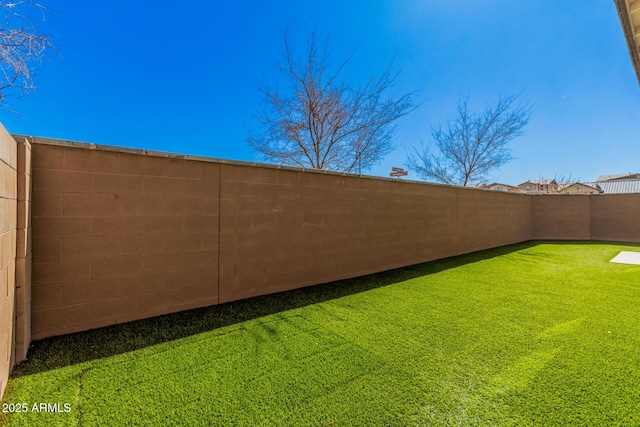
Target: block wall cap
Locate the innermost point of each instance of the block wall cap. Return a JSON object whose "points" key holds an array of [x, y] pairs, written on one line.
{"points": [[116, 149]]}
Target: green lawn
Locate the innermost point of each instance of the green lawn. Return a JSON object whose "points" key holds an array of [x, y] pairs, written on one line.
{"points": [[532, 334]]}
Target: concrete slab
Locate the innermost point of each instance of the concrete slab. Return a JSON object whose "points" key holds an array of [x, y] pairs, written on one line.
{"points": [[626, 257]]}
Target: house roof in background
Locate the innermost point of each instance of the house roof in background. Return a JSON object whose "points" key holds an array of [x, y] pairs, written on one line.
{"points": [[502, 184], [629, 14], [619, 176], [623, 186], [571, 184], [539, 181]]}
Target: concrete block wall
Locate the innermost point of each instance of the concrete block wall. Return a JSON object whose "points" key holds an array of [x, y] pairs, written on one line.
{"points": [[615, 217], [283, 229], [119, 236], [8, 225], [123, 234], [604, 217], [565, 217], [23, 251], [92, 236], [488, 219]]}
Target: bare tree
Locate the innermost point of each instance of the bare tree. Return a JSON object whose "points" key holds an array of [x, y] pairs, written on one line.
{"points": [[317, 120], [21, 46], [471, 145]]}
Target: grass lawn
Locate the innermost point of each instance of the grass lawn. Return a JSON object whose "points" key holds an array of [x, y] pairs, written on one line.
{"points": [[532, 334]]}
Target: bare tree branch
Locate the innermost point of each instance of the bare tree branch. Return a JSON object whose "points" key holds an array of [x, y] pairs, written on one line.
{"points": [[471, 145], [21, 47], [320, 121]]}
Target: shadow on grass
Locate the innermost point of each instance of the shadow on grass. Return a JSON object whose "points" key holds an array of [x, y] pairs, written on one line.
{"points": [[57, 352]]}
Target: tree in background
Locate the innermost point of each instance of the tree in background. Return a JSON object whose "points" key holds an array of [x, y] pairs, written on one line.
{"points": [[21, 46], [471, 145], [318, 120]]}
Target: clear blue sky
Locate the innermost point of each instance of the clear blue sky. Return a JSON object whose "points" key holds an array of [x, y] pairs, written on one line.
{"points": [[180, 77]]}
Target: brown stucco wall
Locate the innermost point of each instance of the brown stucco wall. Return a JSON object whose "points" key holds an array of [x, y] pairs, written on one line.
{"points": [[8, 225], [119, 236]]}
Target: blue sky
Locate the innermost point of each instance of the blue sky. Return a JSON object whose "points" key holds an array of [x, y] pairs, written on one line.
{"points": [[181, 77]]}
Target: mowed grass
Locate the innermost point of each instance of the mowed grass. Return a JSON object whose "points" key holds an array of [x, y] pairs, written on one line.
{"points": [[540, 333]]}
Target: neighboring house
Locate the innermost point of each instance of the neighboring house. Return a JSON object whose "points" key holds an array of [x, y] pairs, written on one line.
{"points": [[617, 186], [618, 177], [578, 188], [539, 186], [484, 186], [629, 14], [497, 186], [621, 183]]}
